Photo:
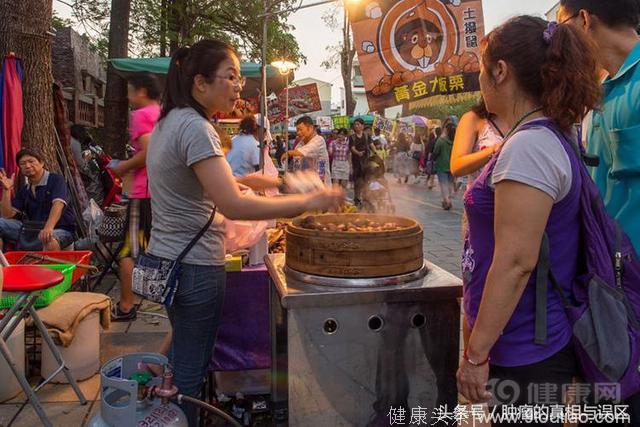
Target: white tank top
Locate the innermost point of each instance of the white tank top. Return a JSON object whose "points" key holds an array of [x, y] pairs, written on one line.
{"points": [[488, 137]]}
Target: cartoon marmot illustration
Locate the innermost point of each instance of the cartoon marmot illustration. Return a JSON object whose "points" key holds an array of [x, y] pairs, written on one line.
{"points": [[418, 38], [419, 43]]}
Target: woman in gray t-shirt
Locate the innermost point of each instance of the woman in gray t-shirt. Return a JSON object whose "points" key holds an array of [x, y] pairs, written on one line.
{"points": [[188, 178]]}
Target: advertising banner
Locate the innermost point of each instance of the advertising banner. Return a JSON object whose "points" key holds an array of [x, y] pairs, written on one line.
{"points": [[302, 99], [412, 50]]}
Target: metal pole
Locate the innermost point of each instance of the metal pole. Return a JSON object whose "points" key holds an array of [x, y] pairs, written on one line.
{"points": [[286, 111], [263, 86]]}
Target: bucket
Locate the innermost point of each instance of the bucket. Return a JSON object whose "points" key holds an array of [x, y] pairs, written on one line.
{"points": [[82, 357], [9, 386]]}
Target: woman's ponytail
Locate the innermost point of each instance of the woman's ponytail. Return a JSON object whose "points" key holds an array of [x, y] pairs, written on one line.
{"points": [[570, 84], [175, 92], [203, 58], [552, 63]]}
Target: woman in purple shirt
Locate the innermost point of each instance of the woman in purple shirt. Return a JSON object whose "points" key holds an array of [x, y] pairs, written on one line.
{"points": [[536, 74]]}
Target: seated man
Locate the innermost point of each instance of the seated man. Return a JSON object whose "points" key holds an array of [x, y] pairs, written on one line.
{"points": [[44, 199]]}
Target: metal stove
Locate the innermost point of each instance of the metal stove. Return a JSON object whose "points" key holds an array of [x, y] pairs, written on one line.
{"points": [[347, 351]]}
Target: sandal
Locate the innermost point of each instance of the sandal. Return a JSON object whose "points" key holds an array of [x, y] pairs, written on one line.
{"points": [[117, 315]]}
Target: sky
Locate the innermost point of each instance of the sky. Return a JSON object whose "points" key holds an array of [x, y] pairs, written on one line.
{"points": [[314, 36], [313, 43]]}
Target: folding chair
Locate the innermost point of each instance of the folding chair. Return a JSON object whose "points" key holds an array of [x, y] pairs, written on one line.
{"points": [[28, 282], [108, 257]]}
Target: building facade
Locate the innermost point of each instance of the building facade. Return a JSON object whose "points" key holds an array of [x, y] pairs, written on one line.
{"points": [[553, 12], [360, 95], [82, 75]]}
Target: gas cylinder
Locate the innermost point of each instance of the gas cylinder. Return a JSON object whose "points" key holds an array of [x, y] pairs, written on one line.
{"points": [[125, 400]]}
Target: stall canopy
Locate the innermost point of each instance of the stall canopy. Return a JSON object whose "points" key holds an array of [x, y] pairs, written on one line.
{"points": [[275, 81], [367, 118]]}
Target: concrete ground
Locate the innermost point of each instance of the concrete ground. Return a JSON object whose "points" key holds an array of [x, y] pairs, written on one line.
{"points": [[441, 245]]}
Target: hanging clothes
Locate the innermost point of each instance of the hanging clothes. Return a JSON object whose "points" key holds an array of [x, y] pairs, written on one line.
{"points": [[11, 115]]}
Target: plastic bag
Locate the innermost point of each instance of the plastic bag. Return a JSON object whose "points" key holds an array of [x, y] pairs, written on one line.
{"points": [[242, 234], [93, 217], [304, 182]]}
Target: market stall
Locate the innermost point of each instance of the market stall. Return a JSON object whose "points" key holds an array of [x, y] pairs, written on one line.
{"points": [[360, 322]]}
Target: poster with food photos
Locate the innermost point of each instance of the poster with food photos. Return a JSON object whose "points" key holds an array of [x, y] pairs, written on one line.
{"points": [[412, 50], [302, 99]]}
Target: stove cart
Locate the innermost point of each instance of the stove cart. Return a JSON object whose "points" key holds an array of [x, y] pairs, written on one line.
{"points": [[351, 351]]}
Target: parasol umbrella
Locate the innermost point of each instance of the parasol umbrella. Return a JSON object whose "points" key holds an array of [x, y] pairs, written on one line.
{"points": [[11, 115], [416, 120]]}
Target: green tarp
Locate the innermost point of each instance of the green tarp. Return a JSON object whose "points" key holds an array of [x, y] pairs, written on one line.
{"points": [[161, 66], [367, 118]]}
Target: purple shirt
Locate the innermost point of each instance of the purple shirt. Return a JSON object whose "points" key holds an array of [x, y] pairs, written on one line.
{"points": [[516, 346]]}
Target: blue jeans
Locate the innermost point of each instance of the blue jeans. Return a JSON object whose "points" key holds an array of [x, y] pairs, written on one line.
{"points": [[195, 316], [10, 231], [445, 179]]}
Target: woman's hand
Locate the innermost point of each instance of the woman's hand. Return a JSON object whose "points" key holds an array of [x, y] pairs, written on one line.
{"points": [[120, 169], [326, 199], [472, 382], [284, 157]]}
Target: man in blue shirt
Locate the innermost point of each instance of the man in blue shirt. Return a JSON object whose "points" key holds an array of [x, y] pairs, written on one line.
{"points": [[43, 200], [614, 132]]}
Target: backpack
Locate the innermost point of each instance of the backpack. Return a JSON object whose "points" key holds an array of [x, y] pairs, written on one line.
{"points": [[605, 303]]}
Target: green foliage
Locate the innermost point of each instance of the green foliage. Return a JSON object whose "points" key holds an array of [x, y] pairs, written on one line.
{"points": [[59, 23], [184, 22]]}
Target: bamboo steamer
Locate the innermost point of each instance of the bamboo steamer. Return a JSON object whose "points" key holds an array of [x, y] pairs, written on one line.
{"points": [[355, 254]]}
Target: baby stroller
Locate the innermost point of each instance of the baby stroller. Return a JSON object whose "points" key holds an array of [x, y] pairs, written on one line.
{"points": [[376, 194]]}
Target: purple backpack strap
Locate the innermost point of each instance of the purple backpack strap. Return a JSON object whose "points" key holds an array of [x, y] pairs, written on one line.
{"points": [[544, 273]]}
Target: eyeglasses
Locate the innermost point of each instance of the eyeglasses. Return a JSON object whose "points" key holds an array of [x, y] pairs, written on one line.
{"points": [[238, 81], [575, 15]]}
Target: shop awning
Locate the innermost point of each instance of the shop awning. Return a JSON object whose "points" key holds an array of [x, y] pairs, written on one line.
{"points": [[367, 118], [275, 81]]}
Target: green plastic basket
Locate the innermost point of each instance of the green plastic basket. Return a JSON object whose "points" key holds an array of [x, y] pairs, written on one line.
{"points": [[47, 296]]}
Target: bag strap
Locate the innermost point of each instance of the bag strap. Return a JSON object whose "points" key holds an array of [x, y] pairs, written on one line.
{"points": [[495, 126], [197, 237], [543, 275]]}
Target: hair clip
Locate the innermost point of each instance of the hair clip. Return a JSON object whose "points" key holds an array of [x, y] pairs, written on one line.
{"points": [[548, 33]]}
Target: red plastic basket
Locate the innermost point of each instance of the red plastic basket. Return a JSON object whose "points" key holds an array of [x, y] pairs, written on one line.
{"points": [[70, 257]]}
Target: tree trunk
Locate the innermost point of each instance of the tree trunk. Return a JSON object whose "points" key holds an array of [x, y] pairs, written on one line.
{"points": [[346, 65], [116, 107], [174, 24], [163, 28], [24, 27]]}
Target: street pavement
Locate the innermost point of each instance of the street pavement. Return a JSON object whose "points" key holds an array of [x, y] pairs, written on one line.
{"points": [[442, 236]]}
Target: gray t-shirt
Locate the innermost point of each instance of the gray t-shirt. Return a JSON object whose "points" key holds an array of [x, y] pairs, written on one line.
{"points": [[537, 158], [179, 205]]}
